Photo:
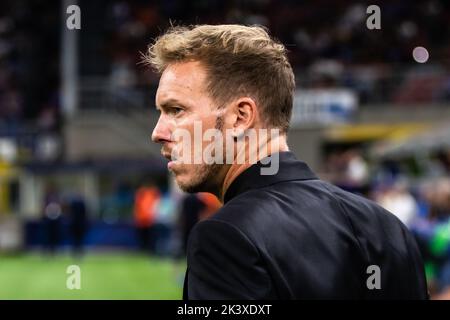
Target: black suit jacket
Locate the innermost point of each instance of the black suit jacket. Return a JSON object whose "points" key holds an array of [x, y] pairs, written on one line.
{"points": [[293, 236]]}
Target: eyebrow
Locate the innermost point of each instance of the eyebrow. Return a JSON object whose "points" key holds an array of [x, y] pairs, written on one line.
{"points": [[169, 103]]}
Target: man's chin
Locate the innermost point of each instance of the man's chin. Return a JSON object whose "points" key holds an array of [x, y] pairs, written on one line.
{"points": [[182, 180], [199, 180], [189, 185]]}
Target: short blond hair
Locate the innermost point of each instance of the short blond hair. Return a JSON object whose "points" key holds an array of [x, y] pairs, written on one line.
{"points": [[239, 60]]}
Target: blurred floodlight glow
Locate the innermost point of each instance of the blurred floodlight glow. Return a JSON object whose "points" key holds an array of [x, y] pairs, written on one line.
{"points": [[420, 54]]}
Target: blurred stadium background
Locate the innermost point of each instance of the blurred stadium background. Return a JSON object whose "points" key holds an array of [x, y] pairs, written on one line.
{"points": [[81, 183]]}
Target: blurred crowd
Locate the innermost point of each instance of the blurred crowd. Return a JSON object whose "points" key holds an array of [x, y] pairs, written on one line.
{"points": [[328, 41], [29, 65], [161, 219]]}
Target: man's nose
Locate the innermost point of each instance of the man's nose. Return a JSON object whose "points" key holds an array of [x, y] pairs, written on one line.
{"points": [[161, 133]]}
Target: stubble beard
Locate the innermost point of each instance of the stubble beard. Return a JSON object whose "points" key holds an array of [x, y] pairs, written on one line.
{"points": [[204, 178]]}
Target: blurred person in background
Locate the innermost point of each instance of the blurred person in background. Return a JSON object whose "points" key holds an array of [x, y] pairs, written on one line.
{"points": [[78, 223], [398, 200], [194, 208], [164, 224], [145, 201], [212, 205], [432, 233], [189, 215], [52, 219]]}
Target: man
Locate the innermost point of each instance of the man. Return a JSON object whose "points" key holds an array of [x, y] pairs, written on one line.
{"points": [[282, 233]]}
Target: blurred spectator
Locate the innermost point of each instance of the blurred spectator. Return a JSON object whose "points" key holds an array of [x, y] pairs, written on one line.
{"points": [[194, 207], [348, 169], [145, 202], [78, 224], [357, 170], [189, 215], [211, 204], [164, 223], [433, 234], [51, 220], [397, 200]]}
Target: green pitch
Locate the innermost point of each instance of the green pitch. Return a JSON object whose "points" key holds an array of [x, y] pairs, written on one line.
{"points": [[102, 276]]}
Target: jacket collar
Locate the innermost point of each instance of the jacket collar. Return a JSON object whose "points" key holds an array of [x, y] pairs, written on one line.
{"points": [[289, 169]]}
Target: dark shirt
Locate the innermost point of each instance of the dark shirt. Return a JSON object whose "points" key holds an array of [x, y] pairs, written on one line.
{"points": [[294, 236]]}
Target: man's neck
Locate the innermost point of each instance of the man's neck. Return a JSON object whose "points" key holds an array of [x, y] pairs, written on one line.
{"points": [[252, 153]]}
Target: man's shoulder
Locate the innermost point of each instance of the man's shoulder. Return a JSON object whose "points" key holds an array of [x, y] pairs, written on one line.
{"points": [[354, 204], [313, 200], [301, 194], [242, 208], [272, 208]]}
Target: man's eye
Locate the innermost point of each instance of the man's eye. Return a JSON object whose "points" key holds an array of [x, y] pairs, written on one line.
{"points": [[175, 111]]}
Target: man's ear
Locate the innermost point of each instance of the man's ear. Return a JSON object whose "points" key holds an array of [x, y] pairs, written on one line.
{"points": [[245, 115]]}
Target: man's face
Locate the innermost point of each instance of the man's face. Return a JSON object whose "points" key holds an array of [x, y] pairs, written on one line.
{"points": [[183, 102]]}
